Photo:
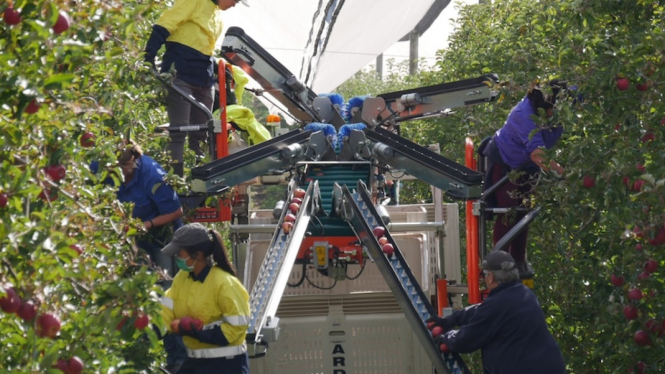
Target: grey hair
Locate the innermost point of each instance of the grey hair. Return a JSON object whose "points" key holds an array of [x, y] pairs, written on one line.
{"points": [[508, 273]]}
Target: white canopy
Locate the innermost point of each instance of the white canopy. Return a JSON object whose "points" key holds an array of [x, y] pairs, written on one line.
{"points": [[324, 42]]}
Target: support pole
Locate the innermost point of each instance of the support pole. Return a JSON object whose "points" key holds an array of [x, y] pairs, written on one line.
{"points": [[471, 235], [413, 52], [222, 137]]}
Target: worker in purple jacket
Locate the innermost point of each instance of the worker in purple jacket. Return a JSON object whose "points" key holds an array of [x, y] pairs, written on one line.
{"points": [[519, 145]]}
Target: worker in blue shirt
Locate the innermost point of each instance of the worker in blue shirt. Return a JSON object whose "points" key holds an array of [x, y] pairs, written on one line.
{"points": [[190, 30], [508, 327], [519, 145], [156, 203], [207, 289]]}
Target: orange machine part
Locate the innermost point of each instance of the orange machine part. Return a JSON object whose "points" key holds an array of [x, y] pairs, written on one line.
{"points": [[222, 138], [471, 235], [344, 243], [441, 295]]}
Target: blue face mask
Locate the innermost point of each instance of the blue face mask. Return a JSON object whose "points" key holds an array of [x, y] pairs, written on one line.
{"points": [[182, 264]]}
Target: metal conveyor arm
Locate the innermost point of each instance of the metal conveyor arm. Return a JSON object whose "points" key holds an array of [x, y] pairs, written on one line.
{"points": [[358, 210]]}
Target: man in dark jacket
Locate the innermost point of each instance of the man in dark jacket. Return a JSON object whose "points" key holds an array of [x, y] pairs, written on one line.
{"points": [[508, 327]]}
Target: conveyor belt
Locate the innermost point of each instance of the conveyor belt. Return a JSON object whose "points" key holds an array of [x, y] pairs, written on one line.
{"points": [[363, 217], [244, 165], [423, 101], [276, 80], [277, 265], [456, 180]]}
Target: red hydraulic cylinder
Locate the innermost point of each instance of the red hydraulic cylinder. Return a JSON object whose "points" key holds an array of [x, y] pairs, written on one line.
{"points": [[471, 234], [441, 295], [222, 137]]}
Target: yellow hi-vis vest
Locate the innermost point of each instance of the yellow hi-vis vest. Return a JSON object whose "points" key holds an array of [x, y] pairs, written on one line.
{"points": [[220, 300], [194, 23]]}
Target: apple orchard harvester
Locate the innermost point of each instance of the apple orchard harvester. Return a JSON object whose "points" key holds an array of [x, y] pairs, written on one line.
{"points": [[340, 281]]}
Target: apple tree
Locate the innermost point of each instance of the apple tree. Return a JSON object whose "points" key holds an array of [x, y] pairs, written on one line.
{"points": [[75, 291], [597, 244]]}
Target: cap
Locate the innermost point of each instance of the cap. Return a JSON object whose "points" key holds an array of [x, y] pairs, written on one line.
{"points": [[494, 260], [245, 2], [188, 236]]}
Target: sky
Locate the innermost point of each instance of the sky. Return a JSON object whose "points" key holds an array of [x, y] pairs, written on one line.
{"points": [[434, 39]]}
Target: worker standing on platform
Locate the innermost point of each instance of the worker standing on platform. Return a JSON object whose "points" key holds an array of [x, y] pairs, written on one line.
{"points": [[190, 30], [518, 145], [509, 327], [207, 289]]}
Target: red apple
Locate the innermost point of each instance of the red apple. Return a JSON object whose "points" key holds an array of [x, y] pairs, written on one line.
{"points": [[383, 240], [642, 338], [637, 186], [27, 311], [286, 227], [379, 231], [643, 275], [437, 331], [659, 238], [642, 86], [49, 195], [388, 249], [55, 172], [87, 140], [299, 192], [635, 294], [444, 348], [640, 167], [62, 365], [662, 122], [10, 303], [641, 368], [293, 207], [588, 182], [11, 16], [122, 323], [638, 232], [626, 181], [630, 312], [622, 84], [32, 107], [48, 325], [189, 323], [3, 200], [289, 217], [430, 325], [62, 24], [75, 365], [296, 200], [638, 247], [648, 138], [655, 327], [651, 266], [76, 248], [141, 322], [617, 280]]}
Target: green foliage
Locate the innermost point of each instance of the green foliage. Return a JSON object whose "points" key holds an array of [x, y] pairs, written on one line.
{"points": [[584, 234], [88, 79]]}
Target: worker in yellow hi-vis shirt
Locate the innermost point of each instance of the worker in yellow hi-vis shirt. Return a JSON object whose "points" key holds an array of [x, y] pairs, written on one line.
{"points": [[207, 304], [190, 29]]}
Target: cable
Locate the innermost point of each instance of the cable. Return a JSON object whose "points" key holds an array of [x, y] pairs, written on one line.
{"points": [[362, 267], [304, 269]]}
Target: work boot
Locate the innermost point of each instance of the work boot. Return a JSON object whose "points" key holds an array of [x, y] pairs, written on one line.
{"points": [[525, 270]]}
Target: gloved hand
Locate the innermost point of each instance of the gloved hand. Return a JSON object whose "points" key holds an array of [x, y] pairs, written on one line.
{"points": [[441, 343], [437, 321]]}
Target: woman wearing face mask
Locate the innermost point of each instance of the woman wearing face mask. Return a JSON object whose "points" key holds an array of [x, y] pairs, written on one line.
{"points": [[207, 289], [519, 145]]}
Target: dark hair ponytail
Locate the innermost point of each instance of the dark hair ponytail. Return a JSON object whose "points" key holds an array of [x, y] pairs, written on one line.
{"points": [[538, 100], [219, 254]]}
